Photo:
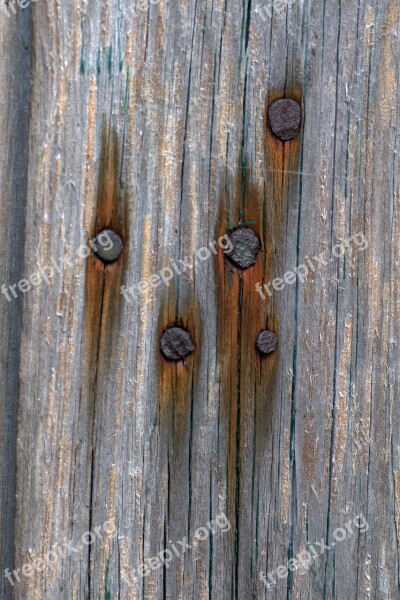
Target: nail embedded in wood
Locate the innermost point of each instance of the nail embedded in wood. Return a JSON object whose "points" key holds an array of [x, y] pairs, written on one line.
{"points": [[284, 117], [245, 247], [176, 344], [107, 246], [266, 341]]}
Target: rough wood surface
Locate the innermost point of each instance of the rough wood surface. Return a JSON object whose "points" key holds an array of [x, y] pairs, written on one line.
{"points": [[154, 124], [15, 48]]}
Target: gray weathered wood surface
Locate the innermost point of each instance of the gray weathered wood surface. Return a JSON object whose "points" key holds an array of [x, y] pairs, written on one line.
{"points": [[15, 49], [154, 123]]}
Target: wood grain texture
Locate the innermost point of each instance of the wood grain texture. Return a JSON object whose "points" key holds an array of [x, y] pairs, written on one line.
{"points": [[154, 123], [15, 47]]}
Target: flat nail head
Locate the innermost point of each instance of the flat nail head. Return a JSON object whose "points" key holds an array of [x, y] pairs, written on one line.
{"points": [[266, 341], [176, 344], [284, 117], [245, 247], [107, 246]]}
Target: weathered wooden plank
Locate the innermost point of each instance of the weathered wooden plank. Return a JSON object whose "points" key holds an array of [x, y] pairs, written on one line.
{"points": [[155, 124], [15, 48]]}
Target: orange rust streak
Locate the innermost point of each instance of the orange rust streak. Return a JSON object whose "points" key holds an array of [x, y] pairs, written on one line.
{"points": [[108, 205], [103, 281], [175, 380], [248, 381]]}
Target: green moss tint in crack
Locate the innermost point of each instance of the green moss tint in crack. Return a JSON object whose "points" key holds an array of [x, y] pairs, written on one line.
{"points": [[107, 590]]}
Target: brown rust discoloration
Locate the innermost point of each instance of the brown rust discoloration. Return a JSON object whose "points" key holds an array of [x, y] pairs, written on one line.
{"points": [[111, 205], [282, 163], [176, 378], [177, 385], [103, 302], [247, 381], [103, 281]]}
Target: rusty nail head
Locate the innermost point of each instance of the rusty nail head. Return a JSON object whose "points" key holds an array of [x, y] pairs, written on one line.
{"points": [[245, 247], [107, 246], [176, 344], [284, 117], [266, 341]]}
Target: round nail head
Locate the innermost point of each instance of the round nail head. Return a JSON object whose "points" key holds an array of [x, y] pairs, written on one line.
{"points": [[245, 247], [176, 344], [107, 246], [266, 341], [284, 117]]}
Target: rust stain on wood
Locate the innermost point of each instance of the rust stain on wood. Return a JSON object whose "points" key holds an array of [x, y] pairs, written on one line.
{"points": [[282, 162], [102, 308], [177, 379], [247, 379], [103, 282], [177, 384]]}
